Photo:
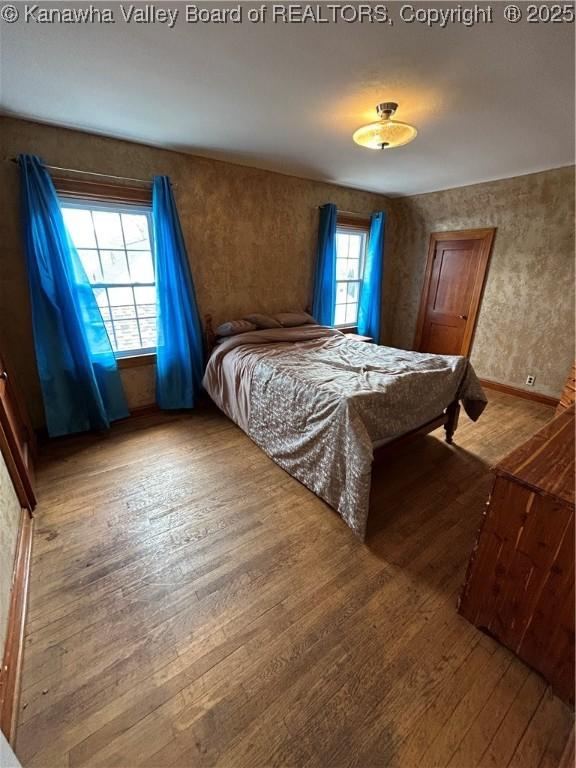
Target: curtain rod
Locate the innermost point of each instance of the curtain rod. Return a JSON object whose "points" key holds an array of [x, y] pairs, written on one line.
{"points": [[351, 213], [90, 173]]}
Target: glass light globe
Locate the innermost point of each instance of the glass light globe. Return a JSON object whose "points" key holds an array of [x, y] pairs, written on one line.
{"points": [[386, 133]]}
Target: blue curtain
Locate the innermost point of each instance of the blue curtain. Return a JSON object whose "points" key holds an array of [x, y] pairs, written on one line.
{"points": [[324, 298], [371, 295], [81, 387], [179, 356]]}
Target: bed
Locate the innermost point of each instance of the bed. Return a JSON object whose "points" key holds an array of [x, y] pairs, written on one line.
{"points": [[322, 405]]}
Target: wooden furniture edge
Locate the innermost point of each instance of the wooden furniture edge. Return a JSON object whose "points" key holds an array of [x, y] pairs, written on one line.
{"points": [[14, 647], [22, 411], [487, 233], [23, 489], [568, 394], [566, 420], [537, 397]]}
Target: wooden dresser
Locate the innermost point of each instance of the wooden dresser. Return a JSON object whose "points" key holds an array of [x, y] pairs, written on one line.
{"points": [[520, 582], [568, 395]]}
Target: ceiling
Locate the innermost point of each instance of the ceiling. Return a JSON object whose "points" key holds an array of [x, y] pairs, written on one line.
{"points": [[489, 101]]}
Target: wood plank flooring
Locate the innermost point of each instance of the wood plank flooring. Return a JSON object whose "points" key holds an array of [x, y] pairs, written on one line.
{"points": [[192, 605]]}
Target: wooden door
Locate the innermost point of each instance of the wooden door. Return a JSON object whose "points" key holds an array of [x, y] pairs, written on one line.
{"points": [[17, 440], [454, 280]]}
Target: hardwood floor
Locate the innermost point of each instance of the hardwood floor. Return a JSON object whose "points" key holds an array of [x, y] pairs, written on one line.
{"points": [[193, 605]]}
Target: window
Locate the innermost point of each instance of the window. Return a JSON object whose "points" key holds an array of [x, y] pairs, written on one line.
{"points": [[114, 245], [351, 241]]}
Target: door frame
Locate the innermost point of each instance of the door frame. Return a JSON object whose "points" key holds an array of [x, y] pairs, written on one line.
{"points": [[487, 236]]}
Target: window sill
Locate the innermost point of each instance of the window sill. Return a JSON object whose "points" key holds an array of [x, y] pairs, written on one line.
{"points": [[135, 361], [347, 328]]}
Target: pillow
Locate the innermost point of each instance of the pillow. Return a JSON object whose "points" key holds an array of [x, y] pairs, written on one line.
{"points": [[263, 321], [291, 319], [235, 326]]}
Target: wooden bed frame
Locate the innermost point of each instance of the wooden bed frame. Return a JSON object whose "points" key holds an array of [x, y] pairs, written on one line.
{"points": [[448, 419]]}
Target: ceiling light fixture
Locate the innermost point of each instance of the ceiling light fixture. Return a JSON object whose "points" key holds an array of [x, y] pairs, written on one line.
{"points": [[387, 133]]}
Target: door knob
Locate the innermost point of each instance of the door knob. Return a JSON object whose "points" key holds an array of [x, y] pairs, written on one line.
{"points": [[463, 317]]}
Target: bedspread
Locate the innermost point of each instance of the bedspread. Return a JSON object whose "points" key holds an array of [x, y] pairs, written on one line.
{"points": [[317, 403]]}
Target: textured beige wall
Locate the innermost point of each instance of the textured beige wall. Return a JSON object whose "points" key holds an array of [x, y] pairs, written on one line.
{"points": [[526, 321], [9, 523], [251, 234], [251, 238]]}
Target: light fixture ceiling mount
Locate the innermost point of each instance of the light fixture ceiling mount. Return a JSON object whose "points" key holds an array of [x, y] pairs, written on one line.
{"points": [[387, 133], [386, 109]]}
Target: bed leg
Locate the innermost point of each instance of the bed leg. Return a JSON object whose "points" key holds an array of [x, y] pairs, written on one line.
{"points": [[453, 412]]}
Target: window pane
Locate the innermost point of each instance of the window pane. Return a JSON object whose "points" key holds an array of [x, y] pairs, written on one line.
{"points": [[127, 334], [102, 301], [108, 229], [146, 310], [340, 293], [351, 313], [101, 297], [148, 332], [110, 332], [352, 292], [141, 269], [354, 246], [91, 264], [125, 312], [120, 296], [79, 224], [341, 245], [114, 267], [341, 269], [135, 227], [353, 269], [340, 314], [145, 295]]}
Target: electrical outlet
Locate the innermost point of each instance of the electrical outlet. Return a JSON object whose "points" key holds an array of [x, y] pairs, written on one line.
{"points": [[530, 380]]}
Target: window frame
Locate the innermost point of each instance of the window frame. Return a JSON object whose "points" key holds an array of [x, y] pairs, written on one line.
{"points": [[93, 196], [348, 224]]}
